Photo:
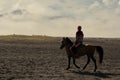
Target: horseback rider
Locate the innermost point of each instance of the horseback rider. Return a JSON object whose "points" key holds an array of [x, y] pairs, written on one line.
{"points": [[79, 39]]}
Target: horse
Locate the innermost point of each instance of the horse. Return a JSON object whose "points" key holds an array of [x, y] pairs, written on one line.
{"points": [[88, 50]]}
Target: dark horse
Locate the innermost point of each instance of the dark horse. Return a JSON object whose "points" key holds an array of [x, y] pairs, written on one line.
{"points": [[88, 50]]}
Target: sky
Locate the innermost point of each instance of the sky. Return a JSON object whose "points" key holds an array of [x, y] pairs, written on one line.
{"points": [[98, 18]]}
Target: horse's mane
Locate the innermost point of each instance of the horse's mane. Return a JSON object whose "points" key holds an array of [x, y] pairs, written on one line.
{"points": [[69, 41]]}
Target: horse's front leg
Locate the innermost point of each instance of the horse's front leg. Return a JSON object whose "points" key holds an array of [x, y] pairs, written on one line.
{"points": [[88, 61], [69, 59], [75, 63]]}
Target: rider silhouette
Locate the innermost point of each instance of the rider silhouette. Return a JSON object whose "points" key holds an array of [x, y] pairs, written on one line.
{"points": [[79, 39]]}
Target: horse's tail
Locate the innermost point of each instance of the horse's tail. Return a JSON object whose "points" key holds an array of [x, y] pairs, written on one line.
{"points": [[99, 49]]}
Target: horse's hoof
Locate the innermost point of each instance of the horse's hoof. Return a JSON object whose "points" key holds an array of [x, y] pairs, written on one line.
{"points": [[78, 67], [67, 68], [94, 70]]}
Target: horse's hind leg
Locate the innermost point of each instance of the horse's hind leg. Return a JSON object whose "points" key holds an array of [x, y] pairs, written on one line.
{"points": [[94, 60], [69, 59], [75, 63], [87, 62]]}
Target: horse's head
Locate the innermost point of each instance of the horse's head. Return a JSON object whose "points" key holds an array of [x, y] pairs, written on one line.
{"points": [[65, 42], [62, 43]]}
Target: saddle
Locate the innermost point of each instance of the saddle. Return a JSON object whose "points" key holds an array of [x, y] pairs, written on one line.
{"points": [[75, 49]]}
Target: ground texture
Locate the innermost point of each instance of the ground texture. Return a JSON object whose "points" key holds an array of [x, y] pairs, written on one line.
{"points": [[43, 60]]}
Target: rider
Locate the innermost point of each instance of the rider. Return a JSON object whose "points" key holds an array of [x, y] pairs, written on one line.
{"points": [[79, 39]]}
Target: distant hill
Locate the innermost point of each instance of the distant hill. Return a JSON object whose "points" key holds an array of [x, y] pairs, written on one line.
{"points": [[26, 37]]}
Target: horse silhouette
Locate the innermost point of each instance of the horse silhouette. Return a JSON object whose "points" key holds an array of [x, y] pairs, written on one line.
{"points": [[88, 50]]}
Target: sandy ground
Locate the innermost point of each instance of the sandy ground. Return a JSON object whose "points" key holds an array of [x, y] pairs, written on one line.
{"points": [[43, 60]]}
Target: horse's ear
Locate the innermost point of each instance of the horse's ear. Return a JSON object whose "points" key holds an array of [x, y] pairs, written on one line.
{"points": [[67, 38]]}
